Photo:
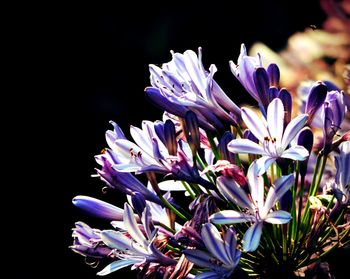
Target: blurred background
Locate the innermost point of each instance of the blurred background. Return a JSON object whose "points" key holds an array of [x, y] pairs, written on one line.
{"points": [[105, 55]]}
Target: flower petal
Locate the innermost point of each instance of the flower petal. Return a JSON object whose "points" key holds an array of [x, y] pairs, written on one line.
{"points": [[278, 217], [298, 153], [171, 185], [231, 243], [245, 146], [252, 237], [132, 226], [116, 240], [114, 266], [199, 258], [256, 185], [257, 125], [282, 185], [233, 192], [263, 163], [214, 243], [292, 129], [208, 275], [230, 217], [275, 117], [98, 208]]}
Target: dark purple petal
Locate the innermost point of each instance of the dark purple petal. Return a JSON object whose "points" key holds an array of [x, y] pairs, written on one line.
{"points": [[272, 93], [138, 202], [170, 137], [222, 147], [261, 81], [315, 100], [328, 129], [274, 74], [306, 139], [191, 130], [286, 99], [249, 135]]}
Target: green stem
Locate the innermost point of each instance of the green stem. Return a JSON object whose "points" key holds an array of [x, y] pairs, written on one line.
{"points": [[167, 228], [171, 207], [188, 189], [213, 146]]}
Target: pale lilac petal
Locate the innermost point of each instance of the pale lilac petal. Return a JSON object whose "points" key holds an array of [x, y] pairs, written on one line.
{"points": [[141, 139], [278, 217], [171, 185], [233, 192], [281, 186], [275, 118], [131, 167], [252, 237], [245, 146], [214, 243], [196, 75], [263, 163], [98, 208], [256, 184], [231, 217], [132, 226], [293, 129], [147, 222], [298, 153], [257, 125], [116, 240], [114, 266]]}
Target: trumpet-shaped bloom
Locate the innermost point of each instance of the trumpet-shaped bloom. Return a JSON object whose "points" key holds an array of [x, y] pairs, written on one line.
{"points": [[183, 84], [254, 78], [150, 153], [133, 246], [223, 257], [258, 210], [274, 140]]}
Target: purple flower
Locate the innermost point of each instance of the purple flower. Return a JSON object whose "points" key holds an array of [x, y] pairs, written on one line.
{"points": [[342, 177], [258, 210], [88, 243], [223, 256], [133, 246], [274, 140], [149, 153], [183, 84], [254, 78]]}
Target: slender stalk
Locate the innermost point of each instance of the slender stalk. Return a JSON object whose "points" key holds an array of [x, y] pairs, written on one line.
{"points": [[171, 207], [213, 146], [188, 189]]}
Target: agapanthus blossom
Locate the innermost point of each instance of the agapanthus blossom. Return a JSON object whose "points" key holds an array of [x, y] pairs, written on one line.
{"points": [[223, 257], [183, 84], [258, 209], [274, 140]]}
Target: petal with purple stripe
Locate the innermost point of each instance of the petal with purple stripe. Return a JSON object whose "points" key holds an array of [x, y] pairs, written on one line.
{"points": [[251, 238], [278, 217], [114, 266], [231, 217], [293, 129], [257, 125], [245, 146]]}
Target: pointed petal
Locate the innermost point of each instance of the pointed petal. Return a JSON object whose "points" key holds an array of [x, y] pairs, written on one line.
{"points": [[278, 217], [116, 240], [231, 217], [257, 125], [256, 184], [231, 243], [245, 146], [132, 226], [275, 118], [293, 128], [233, 192], [214, 243], [199, 258], [282, 185], [114, 266], [141, 139], [298, 153], [252, 237], [263, 163], [98, 208]]}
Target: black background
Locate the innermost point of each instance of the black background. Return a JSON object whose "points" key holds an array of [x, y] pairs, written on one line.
{"points": [[85, 66]]}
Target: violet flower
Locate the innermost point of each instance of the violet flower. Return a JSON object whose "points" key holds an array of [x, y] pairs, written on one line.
{"points": [[223, 256], [133, 246], [258, 210], [184, 84], [274, 140]]}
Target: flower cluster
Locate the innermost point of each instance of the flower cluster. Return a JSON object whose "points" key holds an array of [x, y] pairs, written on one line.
{"points": [[256, 196]]}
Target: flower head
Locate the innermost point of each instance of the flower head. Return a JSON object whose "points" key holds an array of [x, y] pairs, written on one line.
{"points": [[274, 140], [257, 210]]}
